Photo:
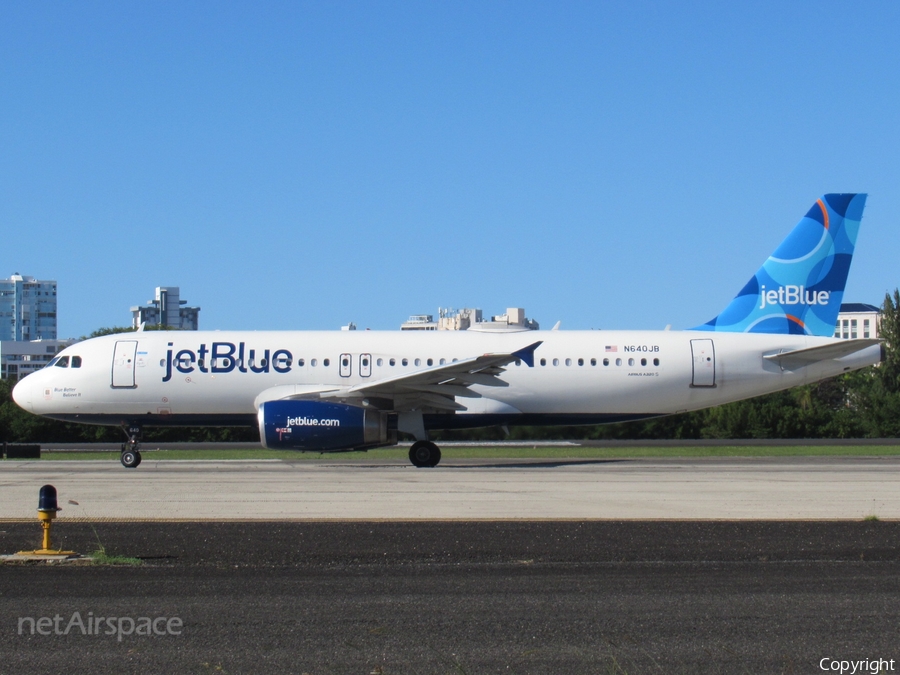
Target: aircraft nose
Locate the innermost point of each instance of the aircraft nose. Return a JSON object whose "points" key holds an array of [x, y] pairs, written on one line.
{"points": [[22, 395]]}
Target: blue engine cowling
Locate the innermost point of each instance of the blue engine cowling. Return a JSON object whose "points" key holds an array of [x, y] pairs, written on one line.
{"points": [[320, 426]]}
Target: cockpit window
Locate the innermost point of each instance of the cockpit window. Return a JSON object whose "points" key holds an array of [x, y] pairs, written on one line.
{"points": [[76, 362], [62, 362], [52, 363]]}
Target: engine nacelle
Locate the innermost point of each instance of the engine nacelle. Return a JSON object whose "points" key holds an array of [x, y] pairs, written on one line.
{"points": [[321, 426]]}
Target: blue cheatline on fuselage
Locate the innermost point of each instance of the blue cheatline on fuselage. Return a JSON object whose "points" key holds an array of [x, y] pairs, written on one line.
{"points": [[799, 289]]}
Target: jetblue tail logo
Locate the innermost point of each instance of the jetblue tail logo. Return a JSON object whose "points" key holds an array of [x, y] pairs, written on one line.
{"points": [[798, 290]]}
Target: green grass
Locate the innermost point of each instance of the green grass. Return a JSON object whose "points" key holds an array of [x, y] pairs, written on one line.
{"points": [[101, 557], [506, 452]]}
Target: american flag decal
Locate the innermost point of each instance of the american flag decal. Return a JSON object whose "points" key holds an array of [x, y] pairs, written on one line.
{"points": [[612, 348]]}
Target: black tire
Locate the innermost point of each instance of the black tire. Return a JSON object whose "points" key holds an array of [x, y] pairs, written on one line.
{"points": [[131, 459], [424, 454], [435, 456]]}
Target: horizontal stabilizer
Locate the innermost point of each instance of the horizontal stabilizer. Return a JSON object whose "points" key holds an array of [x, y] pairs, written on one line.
{"points": [[835, 350]]}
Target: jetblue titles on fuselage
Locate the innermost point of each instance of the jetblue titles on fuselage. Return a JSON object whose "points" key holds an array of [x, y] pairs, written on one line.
{"points": [[225, 357]]}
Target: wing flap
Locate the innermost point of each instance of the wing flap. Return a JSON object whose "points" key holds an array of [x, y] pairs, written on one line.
{"points": [[446, 390]]}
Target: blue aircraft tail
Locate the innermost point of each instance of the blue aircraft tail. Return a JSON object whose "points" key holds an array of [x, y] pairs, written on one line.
{"points": [[799, 289]]}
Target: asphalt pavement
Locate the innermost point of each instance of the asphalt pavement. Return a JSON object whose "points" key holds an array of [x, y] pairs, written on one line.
{"points": [[455, 597]]}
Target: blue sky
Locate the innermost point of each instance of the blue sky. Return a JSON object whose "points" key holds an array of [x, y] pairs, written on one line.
{"points": [[301, 165]]}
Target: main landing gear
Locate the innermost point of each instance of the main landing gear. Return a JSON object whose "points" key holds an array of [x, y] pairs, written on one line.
{"points": [[424, 454], [131, 449]]}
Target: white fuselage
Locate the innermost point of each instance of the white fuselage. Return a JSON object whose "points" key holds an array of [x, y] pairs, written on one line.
{"points": [[162, 378]]}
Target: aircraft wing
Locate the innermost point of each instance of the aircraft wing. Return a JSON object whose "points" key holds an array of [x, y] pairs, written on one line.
{"points": [[803, 357], [436, 387]]}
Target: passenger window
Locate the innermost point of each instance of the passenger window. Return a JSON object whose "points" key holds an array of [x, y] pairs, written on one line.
{"points": [[605, 362], [630, 362], [580, 362], [393, 362], [643, 362], [300, 363], [63, 362], [655, 362], [345, 362], [618, 362], [313, 362], [555, 362], [76, 362], [430, 362], [442, 361], [568, 362], [593, 362], [405, 362], [326, 362], [418, 362], [543, 362], [518, 362], [379, 362]]}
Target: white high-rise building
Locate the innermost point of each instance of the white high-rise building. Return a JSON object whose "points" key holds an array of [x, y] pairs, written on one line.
{"points": [[167, 310], [27, 309]]}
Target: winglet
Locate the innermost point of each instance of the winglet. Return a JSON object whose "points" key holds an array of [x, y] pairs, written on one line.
{"points": [[526, 354]]}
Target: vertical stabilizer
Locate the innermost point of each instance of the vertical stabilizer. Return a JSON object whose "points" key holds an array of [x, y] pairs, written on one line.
{"points": [[799, 289]]}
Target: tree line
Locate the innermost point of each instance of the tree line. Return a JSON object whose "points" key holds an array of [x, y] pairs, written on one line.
{"points": [[861, 404]]}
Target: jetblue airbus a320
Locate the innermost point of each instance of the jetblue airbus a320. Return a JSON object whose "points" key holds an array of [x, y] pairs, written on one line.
{"points": [[338, 391]]}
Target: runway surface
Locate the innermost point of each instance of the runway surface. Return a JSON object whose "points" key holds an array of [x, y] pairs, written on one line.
{"points": [[766, 488], [461, 597], [634, 566]]}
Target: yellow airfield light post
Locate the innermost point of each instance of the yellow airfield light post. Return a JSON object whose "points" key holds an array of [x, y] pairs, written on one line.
{"points": [[47, 508]]}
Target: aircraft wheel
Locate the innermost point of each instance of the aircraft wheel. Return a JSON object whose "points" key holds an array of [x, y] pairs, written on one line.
{"points": [[131, 459], [424, 454]]}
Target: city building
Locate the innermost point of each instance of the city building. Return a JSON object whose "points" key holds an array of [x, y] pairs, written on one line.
{"points": [[857, 320], [419, 322], [27, 309], [18, 358], [471, 319], [167, 310]]}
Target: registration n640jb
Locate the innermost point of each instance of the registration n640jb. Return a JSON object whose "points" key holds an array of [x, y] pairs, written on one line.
{"points": [[337, 391]]}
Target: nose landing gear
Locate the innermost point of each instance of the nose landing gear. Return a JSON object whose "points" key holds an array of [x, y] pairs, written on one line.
{"points": [[131, 449]]}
